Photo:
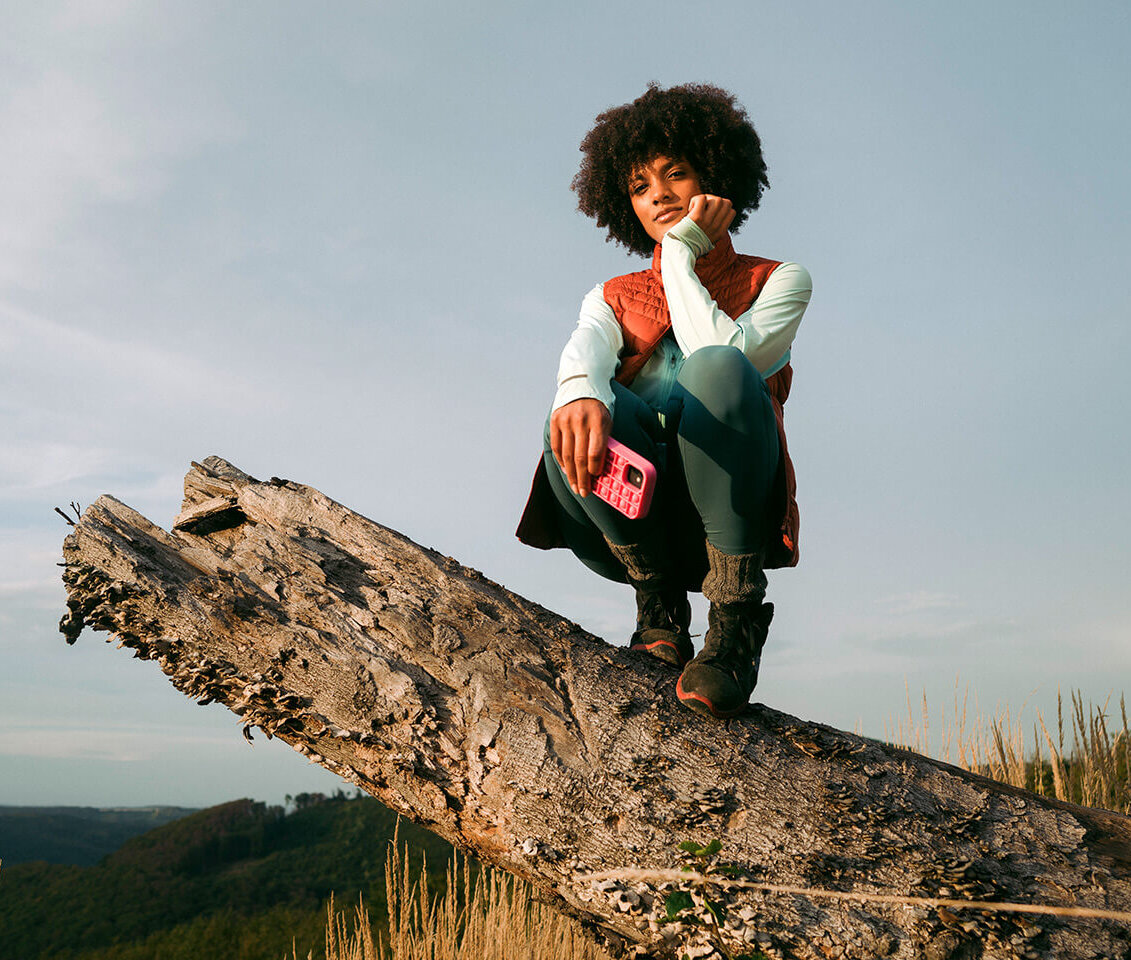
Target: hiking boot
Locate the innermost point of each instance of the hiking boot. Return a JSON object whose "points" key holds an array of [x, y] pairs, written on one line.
{"points": [[663, 615], [721, 678], [663, 619]]}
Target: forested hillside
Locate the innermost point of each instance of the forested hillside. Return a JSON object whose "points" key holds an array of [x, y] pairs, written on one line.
{"points": [[76, 835], [233, 882]]}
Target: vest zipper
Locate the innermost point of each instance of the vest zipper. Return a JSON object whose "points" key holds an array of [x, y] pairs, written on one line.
{"points": [[670, 378]]}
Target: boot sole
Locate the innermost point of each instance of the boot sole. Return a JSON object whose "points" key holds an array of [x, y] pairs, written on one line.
{"points": [[663, 650], [701, 704]]}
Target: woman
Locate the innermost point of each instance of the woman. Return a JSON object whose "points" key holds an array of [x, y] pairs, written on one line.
{"points": [[688, 363]]}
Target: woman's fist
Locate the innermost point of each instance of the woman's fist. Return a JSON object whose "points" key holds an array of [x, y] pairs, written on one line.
{"points": [[579, 436], [713, 215]]}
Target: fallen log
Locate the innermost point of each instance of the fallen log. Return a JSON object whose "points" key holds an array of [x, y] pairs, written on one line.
{"points": [[545, 751]]}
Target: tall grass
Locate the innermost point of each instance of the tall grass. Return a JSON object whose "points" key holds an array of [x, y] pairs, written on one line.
{"points": [[481, 915], [1093, 769]]}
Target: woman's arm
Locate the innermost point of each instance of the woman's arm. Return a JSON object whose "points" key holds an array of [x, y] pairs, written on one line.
{"points": [[764, 332], [589, 360], [582, 412]]}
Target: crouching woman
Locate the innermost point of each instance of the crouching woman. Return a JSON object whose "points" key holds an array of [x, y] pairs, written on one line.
{"points": [[688, 363]]}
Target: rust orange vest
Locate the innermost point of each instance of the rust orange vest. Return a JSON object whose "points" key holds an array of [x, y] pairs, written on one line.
{"points": [[638, 302]]}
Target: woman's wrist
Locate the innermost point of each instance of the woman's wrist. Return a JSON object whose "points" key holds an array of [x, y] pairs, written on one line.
{"points": [[691, 235]]}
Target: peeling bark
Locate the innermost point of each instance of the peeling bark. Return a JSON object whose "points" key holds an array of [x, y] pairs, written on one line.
{"points": [[549, 753]]}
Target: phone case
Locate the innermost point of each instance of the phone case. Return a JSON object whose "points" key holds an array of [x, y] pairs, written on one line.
{"points": [[627, 482]]}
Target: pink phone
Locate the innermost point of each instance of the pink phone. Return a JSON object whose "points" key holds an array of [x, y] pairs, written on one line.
{"points": [[627, 482]]}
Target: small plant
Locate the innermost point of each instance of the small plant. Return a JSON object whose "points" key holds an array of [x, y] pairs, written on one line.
{"points": [[676, 903], [701, 852], [705, 909]]}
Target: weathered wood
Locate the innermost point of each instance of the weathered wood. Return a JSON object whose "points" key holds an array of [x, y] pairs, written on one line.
{"points": [[549, 753]]}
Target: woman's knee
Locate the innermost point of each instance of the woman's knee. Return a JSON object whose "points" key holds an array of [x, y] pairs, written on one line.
{"points": [[721, 378]]}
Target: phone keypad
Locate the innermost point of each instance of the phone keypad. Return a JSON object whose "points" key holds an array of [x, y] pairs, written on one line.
{"points": [[612, 487]]}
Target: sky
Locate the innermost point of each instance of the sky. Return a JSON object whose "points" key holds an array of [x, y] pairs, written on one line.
{"points": [[336, 243]]}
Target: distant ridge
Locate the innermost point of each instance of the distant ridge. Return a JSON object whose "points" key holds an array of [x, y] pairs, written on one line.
{"points": [[239, 881], [80, 836]]}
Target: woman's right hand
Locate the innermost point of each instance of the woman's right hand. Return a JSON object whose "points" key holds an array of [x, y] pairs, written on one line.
{"points": [[713, 215], [579, 437]]}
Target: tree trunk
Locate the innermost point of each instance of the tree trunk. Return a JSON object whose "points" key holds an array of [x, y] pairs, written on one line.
{"points": [[551, 754]]}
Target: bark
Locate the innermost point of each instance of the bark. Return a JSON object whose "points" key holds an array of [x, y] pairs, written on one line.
{"points": [[551, 754]]}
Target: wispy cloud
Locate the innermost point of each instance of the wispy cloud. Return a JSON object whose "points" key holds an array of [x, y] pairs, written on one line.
{"points": [[83, 128], [43, 466], [84, 14], [35, 586], [917, 602], [106, 742], [48, 364]]}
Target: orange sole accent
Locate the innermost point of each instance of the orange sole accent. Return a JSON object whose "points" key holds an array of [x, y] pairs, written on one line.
{"points": [[649, 647], [652, 646], [690, 699]]}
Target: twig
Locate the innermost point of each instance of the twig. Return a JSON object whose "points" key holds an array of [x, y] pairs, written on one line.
{"points": [[985, 905], [65, 517]]}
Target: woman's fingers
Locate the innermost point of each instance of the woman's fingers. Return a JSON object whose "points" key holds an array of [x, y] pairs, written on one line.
{"points": [[579, 435], [598, 444], [720, 213], [565, 459], [590, 451], [713, 215], [725, 220], [581, 463]]}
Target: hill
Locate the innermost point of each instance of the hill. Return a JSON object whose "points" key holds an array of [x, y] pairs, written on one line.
{"points": [[75, 835], [233, 882]]}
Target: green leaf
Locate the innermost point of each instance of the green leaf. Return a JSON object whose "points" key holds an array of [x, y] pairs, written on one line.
{"points": [[696, 850], [676, 902]]}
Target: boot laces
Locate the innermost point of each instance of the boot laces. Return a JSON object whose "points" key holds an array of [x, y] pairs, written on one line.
{"points": [[735, 636], [659, 609]]}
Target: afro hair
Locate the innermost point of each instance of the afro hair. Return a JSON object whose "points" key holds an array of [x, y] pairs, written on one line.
{"points": [[695, 122]]}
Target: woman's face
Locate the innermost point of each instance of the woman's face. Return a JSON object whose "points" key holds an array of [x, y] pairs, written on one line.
{"points": [[661, 192]]}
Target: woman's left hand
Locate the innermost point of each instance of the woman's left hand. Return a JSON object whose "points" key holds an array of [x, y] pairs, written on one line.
{"points": [[713, 215]]}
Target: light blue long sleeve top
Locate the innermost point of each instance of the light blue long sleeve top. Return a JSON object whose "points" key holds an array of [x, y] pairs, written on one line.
{"points": [[764, 333]]}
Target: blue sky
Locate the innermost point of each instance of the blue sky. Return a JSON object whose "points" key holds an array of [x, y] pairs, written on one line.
{"points": [[336, 243]]}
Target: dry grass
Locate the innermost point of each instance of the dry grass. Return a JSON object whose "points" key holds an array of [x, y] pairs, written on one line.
{"points": [[482, 915], [1092, 770]]}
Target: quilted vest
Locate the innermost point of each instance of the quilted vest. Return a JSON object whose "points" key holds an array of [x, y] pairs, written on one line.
{"points": [[640, 306], [734, 282]]}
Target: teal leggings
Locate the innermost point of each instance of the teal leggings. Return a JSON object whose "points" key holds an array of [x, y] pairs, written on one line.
{"points": [[715, 448]]}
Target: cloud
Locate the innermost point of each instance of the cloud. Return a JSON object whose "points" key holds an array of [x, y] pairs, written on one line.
{"points": [[42, 466], [84, 14], [917, 602], [84, 126], [106, 742], [69, 152], [32, 579], [39, 353]]}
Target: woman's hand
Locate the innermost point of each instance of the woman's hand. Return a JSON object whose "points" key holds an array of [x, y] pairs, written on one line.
{"points": [[713, 215], [579, 436]]}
